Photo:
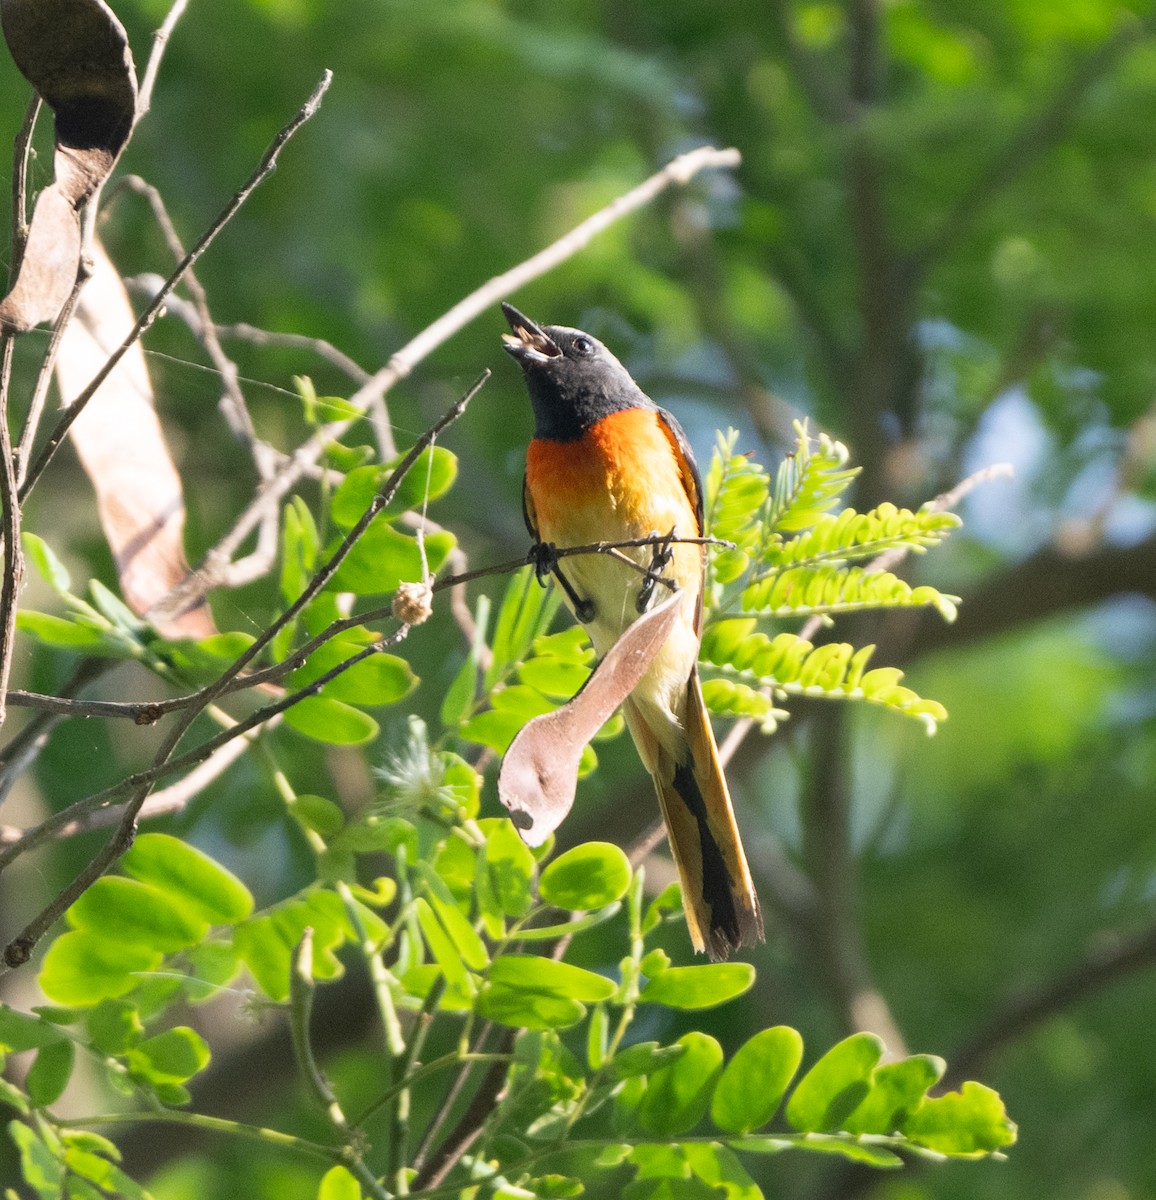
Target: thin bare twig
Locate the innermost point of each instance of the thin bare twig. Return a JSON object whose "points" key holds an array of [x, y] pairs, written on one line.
{"points": [[44, 377], [297, 341], [13, 571], [13, 574], [160, 42], [145, 320], [679, 171], [233, 401], [21, 156]]}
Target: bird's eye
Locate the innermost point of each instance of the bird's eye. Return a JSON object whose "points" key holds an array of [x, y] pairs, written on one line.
{"points": [[583, 346]]}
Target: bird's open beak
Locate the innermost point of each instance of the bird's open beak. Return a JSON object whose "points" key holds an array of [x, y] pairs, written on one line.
{"points": [[529, 342]]}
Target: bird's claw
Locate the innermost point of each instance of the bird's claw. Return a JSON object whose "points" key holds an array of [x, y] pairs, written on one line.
{"points": [[543, 557], [661, 558]]}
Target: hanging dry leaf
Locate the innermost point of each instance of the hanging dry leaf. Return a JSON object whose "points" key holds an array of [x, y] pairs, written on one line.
{"points": [[75, 54], [540, 770], [121, 445]]}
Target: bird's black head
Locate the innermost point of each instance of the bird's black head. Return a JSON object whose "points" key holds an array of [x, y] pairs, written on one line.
{"points": [[574, 381]]}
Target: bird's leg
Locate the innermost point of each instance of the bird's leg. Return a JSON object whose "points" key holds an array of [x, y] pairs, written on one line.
{"points": [[660, 559], [543, 557]]}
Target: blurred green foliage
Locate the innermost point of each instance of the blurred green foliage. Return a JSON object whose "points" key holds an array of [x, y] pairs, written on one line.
{"points": [[940, 246]]}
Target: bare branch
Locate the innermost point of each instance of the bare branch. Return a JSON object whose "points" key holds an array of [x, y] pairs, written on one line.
{"points": [[264, 168], [160, 42], [233, 401], [21, 154]]}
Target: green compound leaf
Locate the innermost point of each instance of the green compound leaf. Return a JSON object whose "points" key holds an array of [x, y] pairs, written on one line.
{"points": [[509, 867], [644, 1058], [809, 482], [732, 698], [788, 665], [20, 1031], [170, 1057], [114, 1026], [836, 1085], [188, 876], [94, 1167], [964, 1124], [719, 1166], [379, 679], [677, 1095], [699, 987], [587, 877], [860, 1152], [538, 993], [523, 1009], [82, 968], [266, 943], [442, 946], [129, 912], [755, 1080], [534, 974], [850, 535], [736, 490], [468, 945], [318, 814], [832, 589], [331, 721], [68, 635], [526, 612]]}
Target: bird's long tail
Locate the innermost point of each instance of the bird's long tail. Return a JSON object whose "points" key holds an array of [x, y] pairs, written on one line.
{"points": [[722, 909]]}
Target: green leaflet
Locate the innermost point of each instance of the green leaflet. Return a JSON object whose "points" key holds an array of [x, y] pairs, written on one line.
{"points": [[855, 535], [809, 482], [831, 589], [757, 668]]}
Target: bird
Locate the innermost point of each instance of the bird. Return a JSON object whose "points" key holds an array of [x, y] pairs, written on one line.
{"points": [[607, 464]]}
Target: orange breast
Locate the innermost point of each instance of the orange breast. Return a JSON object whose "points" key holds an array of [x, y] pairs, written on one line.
{"points": [[621, 480]]}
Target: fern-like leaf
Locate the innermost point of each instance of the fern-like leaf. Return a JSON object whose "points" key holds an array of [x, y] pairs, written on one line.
{"points": [[736, 490], [733, 698], [830, 589], [809, 482], [757, 669], [849, 535]]}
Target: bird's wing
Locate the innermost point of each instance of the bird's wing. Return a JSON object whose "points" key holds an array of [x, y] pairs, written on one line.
{"points": [[528, 514], [686, 464]]}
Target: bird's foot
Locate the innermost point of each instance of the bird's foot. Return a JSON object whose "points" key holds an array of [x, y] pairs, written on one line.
{"points": [[543, 557], [659, 560]]}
